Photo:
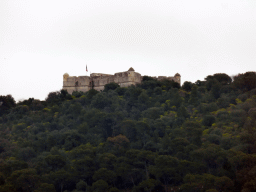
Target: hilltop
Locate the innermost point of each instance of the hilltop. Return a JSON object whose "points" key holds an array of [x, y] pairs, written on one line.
{"points": [[155, 136]]}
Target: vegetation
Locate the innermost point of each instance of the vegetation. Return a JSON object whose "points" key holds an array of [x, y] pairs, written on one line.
{"points": [[156, 136]]}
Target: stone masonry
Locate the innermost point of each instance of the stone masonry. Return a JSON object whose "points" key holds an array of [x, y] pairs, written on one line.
{"points": [[98, 80]]}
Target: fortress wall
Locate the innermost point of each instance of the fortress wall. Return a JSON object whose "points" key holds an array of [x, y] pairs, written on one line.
{"points": [[127, 84], [136, 77], [83, 81], [102, 80], [83, 89], [161, 78], [99, 74], [70, 82], [74, 83], [71, 78], [124, 79], [120, 77], [99, 88], [175, 78], [69, 89], [119, 80]]}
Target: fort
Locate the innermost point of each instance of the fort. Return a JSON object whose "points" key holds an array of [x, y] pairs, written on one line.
{"points": [[98, 80]]}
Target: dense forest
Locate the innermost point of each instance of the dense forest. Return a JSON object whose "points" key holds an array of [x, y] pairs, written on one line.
{"points": [[156, 136]]}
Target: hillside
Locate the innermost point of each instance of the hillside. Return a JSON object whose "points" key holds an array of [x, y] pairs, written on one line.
{"points": [[156, 136]]}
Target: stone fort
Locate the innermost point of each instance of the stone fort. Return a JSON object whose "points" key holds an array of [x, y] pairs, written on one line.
{"points": [[98, 80]]}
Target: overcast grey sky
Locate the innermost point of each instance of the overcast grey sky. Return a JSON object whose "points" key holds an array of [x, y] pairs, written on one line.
{"points": [[42, 40]]}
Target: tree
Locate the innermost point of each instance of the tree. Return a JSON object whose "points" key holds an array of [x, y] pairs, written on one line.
{"points": [[153, 112], [61, 179], [193, 100], [150, 84], [81, 185], [212, 155], [100, 101], [246, 81], [46, 187], [127, 128], [183, 112], [53, 97], [143, 131], [187, 86], [165, 169], [55, 162], [208, 120], [179, 145], [77, 94], [193, 132], [121, 90], [110, 86], [100, 186], [64, 94], [25, 179], [105, 175], [223, 78], [224, 183], [84, 167], [119, 141], [149, 185], [6, 103], [107, 160], [147, 78], [143, 98], [91, 93], [215, 90]]}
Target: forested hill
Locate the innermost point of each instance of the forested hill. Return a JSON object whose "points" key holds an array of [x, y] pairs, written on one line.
{"points": [[156, 136]]}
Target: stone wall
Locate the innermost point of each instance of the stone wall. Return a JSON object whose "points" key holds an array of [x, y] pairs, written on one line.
{"points": [[98, 80], [73, 83], [175, 78]]}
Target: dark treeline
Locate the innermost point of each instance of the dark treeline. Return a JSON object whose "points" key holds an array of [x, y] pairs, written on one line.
{"points": [[156, 136]]}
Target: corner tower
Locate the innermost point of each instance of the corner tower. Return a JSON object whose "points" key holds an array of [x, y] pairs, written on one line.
{"points": [[177, 78]]}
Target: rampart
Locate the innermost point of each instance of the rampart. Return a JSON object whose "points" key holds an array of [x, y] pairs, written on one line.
{"points": [[98, 80]]}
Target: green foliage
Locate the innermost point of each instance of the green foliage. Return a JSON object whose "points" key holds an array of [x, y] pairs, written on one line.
{"points": [[149, 137], [153, 112], [193, 100], [100, 101], [110, 86], [77, 94], [6, 103], [120, 90], [147, 78], [81, 185], [208, 120], [223, 78], [187, 86], [91, 93], [46, 187], [24, 180], [246, 81], [57, 97], [55, 162], [148, 185], [100, 186]]}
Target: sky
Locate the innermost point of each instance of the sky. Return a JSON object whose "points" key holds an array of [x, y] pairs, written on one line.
{"points": [[40, 40]]}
